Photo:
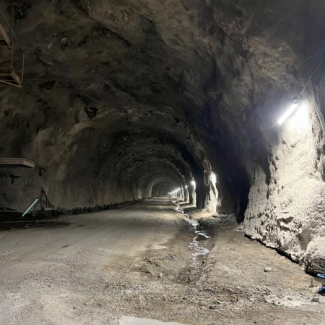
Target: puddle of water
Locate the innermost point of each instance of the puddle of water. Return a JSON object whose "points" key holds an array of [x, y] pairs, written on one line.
{"points": [[196, 247], [202, 234], [127, 320], [192, 222]]}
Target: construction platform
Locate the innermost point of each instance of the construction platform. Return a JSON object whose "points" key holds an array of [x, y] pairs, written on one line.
{"points": [[17, 162]]}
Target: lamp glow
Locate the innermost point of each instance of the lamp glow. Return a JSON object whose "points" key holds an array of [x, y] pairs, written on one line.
{"points": [[213, 178], [288, 113], [193, 184], [174, 192]]}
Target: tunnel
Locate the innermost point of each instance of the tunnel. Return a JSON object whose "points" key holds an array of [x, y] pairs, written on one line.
{"points": [[216, 105]]}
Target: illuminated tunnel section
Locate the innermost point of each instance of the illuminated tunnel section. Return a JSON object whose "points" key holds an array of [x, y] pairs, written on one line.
{"points": [[162, 188], [117, 166]]}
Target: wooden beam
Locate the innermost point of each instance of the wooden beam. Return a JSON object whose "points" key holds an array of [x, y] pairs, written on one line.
{"points": [[10, 83], [9, 77], [17, 162], [15, 76], [4, 36]]}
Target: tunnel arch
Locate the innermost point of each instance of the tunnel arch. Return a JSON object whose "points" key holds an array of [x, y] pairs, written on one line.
{"points": [[131, 97]]}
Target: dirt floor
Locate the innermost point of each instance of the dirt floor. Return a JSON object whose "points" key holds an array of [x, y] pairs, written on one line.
{"points": [[138, 266]]}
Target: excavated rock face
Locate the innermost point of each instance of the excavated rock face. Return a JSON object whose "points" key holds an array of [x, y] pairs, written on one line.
{"points": [[128, 99]]}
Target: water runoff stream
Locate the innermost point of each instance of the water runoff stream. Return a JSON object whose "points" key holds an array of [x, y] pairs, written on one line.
{"points": [[198, 246]]}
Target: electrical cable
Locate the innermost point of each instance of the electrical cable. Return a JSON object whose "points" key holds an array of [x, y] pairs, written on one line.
{"points": [[310, 77], [321, 51]]}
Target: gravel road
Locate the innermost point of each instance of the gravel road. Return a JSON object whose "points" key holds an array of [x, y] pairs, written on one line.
{"points": [[134, 266], [44, 269]]}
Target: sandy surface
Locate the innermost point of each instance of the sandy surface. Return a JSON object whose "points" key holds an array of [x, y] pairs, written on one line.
{"points": [[133, 265]]}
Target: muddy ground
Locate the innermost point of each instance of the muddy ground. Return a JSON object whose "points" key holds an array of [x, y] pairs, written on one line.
{"points": [[135, 263]]}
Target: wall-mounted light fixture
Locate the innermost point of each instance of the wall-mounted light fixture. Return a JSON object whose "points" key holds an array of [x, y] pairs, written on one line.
{"points": [[288, 112], [299, 117]]}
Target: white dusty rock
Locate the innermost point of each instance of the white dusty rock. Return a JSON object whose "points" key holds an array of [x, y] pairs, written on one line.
{"points": [[314, 257], [286, 208]]}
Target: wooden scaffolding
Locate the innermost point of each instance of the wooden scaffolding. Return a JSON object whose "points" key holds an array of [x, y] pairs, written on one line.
{"points": [[10, 54]]}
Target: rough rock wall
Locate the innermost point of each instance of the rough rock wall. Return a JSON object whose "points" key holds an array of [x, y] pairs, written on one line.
{"points": [[130, 99], [105, 116], [20, 187], [286, 207]]}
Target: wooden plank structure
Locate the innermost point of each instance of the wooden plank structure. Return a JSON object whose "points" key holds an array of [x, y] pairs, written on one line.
{"points": [[17, 162], [4, 37], [8, 75], [46, 205]]}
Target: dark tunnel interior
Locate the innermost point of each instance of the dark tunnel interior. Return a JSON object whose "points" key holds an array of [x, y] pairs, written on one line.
{"points": [[120, 101]]}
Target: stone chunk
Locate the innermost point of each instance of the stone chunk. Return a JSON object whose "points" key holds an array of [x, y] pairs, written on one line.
{"points": [[314, 257]]}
